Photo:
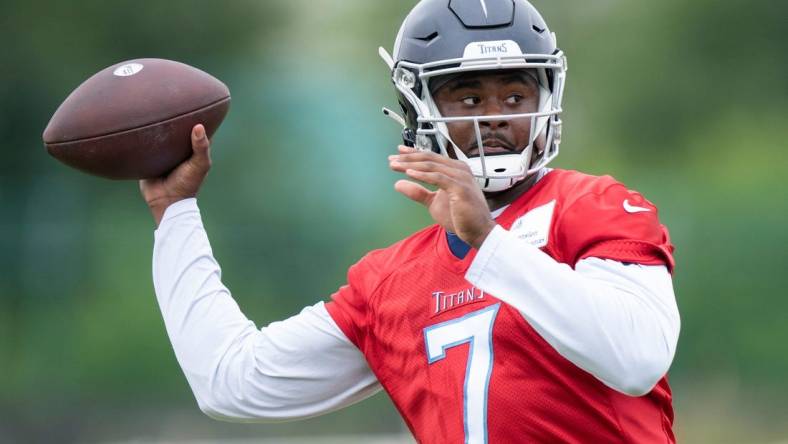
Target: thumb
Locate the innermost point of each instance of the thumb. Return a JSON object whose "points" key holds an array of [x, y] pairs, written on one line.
{"points": [[201, 147], [414, 192]]}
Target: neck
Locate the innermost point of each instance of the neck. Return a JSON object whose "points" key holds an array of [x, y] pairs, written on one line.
{"points": [[502, 198]]}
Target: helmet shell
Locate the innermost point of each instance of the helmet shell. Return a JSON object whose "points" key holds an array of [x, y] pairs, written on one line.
{"points": [[442, 29]]}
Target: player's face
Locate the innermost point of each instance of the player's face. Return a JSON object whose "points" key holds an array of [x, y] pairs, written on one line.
{"points": [[488, 94]]}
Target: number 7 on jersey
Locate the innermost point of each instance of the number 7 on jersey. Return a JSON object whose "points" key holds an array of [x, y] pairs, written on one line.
{"points": [[474, 328]]}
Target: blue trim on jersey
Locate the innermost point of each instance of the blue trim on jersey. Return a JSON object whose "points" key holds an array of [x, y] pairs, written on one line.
{"points": [[457, 246], [489, 370], [470, 341]]}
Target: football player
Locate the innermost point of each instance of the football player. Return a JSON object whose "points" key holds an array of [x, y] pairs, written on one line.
{"points": [[538, 308]]}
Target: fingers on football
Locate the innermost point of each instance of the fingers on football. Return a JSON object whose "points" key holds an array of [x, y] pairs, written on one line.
{"points": [[414, 192], [201, 147]]}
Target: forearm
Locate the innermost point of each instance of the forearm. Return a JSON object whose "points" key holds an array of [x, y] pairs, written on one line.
{"points": [[235, 370], [203, 322], [618, 323]]}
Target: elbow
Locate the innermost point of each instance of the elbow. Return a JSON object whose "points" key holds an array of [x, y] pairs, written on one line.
{"points": [[231, 406], [209, 410], [644, 370], [217, 399], [645, 365], [637, 385], [223, 411], [215, 409], [640, 378]]}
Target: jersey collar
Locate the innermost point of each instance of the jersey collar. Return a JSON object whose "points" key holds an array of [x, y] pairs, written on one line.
{"points": [[502, 216]]}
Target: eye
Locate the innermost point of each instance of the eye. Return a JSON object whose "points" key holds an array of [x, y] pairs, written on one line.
{"points": [[471, 100], [514, 99]]}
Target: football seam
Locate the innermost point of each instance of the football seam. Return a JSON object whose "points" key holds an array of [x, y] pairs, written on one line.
{"points": [[87, 139]]}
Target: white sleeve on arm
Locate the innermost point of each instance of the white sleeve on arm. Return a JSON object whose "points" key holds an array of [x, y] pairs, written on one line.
{"points": [[618, 322], [297, 368]]}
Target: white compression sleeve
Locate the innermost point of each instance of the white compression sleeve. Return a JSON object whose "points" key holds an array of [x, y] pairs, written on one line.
{"points": [[297, 368], [618, 322]]}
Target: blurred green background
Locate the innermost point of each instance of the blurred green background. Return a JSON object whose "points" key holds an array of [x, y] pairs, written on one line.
{"points": [[684, 101]]}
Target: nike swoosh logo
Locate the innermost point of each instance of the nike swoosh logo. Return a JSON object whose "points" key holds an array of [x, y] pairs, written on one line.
{"points": [[629, 208]]}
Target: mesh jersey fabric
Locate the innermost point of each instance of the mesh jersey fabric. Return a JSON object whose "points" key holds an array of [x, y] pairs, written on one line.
{"points": [[395, 295]]}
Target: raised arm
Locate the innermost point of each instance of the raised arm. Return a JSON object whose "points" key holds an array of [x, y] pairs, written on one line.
{"points": [[300, 367]]}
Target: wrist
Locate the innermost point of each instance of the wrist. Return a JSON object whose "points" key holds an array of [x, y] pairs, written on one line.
{"points": [[159, 206], [479, 239]]}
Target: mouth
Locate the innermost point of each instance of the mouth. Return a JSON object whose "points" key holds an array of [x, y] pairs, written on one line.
{"points": [[491, 147]]}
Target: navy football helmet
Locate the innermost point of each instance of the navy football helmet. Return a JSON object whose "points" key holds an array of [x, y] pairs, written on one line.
{"points": [[440, 39]]}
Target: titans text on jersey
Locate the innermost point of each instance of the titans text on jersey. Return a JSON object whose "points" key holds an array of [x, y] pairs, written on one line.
{"points": [[526, 389]]}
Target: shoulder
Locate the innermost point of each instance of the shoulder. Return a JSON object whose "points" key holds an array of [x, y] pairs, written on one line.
{"points": [[598, 215], [351, 306], [572, 185], [378, 264], [580, 194]]}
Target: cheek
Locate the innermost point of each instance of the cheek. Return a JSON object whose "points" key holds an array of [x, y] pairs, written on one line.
{"points": [[461, 133], [529, 105], [522, 130], [521, 133]]}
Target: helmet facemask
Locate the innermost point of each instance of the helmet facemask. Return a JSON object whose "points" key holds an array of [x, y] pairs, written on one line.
{"points": [[493, 172]]}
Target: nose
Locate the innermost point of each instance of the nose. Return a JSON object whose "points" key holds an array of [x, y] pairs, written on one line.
{"points": [[493, 108]]}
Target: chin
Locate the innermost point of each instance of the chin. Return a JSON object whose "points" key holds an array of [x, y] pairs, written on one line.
{"points": [[522, 182]]}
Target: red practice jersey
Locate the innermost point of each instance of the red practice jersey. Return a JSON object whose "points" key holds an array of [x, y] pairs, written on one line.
{"points": [[462, 366]]}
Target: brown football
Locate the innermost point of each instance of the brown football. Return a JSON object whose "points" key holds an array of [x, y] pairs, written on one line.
{"points": [[133, 120]]}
